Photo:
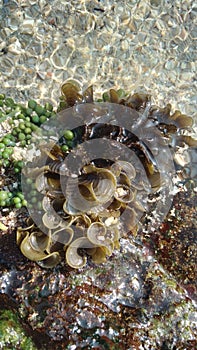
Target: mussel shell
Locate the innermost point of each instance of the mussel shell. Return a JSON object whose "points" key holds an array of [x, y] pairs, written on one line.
{"points": [[114, 97], [88, 95], [190, 141], [181, 120], [71, 93]]}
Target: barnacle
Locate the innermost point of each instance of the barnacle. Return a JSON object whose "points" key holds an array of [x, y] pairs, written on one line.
{"points": [[87, 206]]}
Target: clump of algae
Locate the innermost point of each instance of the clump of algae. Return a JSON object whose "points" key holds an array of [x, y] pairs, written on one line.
{"points": [[12, 336]]}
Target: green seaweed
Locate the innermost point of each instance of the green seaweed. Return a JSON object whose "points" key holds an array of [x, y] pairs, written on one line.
{"points": [[12, 335]]}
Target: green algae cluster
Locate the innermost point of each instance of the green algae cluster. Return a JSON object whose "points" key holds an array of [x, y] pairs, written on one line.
{"points": [[19, 122], [12, 335]]}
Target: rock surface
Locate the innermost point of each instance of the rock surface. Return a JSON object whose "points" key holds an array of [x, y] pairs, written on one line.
{"points": [[144, 296]]}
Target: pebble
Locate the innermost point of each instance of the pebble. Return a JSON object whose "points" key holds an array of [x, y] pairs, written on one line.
{"points": [[15, 47], [27, 26], [169, 65]]}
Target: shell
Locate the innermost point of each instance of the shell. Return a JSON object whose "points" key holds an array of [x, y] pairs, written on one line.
{"points": [[88, 95], [71, 94], [190, 141], [114, 98], [181, 120]]}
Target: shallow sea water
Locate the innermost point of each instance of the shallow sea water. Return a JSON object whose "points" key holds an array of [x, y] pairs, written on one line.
{"points": [[138, 45], [147, 46]]}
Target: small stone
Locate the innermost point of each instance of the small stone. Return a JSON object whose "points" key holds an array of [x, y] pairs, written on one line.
{"points": [[170, 65], [125, 45], [27, 26]]}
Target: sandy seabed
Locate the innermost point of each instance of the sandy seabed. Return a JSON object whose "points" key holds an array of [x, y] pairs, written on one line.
{"points": [[144, 46]]}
